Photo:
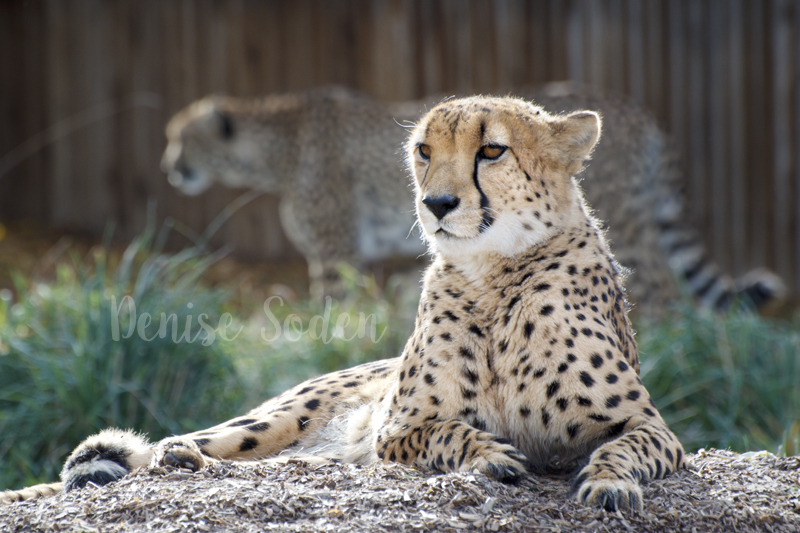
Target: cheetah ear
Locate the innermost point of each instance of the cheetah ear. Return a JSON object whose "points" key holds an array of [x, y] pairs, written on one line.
{"points": [[578, 134]]}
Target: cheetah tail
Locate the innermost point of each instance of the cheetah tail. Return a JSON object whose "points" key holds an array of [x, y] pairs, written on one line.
{"points": [[761, 287], [36, 491]]}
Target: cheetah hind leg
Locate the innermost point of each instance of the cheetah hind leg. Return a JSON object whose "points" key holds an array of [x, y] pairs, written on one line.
{"points": [[100, 459]]}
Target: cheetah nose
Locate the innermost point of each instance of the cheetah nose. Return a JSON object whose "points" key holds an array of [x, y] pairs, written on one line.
{"points": [[441, 205]]}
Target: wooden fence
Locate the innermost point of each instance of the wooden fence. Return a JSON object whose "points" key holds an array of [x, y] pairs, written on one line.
{"points": [[86, 87]]}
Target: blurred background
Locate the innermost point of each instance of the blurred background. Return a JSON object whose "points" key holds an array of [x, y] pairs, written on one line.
{"points": [[86, 87]]}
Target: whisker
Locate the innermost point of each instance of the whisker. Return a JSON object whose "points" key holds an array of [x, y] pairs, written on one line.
{"points": [[416, 222], [409, 126]]}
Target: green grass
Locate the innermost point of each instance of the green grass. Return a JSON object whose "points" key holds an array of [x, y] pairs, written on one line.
{"points": [[275, 355], [728, 381], [63, 376], [731, 381]]}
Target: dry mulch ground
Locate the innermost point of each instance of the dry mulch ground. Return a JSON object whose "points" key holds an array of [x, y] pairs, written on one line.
{"points": [[719, 491]]}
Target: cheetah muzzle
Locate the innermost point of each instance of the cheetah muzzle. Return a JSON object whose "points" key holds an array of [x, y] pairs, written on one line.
{"points": [[522, 355]]}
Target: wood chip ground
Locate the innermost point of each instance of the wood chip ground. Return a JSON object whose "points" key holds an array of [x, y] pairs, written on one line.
{"points": [[719, 491]]}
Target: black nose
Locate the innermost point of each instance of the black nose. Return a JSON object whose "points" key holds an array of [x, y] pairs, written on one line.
{"points": [[441, 205], [186, 172]]}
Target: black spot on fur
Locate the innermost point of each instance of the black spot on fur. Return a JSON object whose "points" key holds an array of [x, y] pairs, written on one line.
{"points": [[470, 375], [572, 430], [312, 405], [302, 422], [476, 330], [586, 379], [613, 401], [616, 429], [242, 422], [258, 428], [546, 310], [248, 443]]}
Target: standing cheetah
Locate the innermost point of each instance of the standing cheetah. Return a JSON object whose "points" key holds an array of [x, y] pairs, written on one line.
{"points": [[522, 358], [335, 149]]}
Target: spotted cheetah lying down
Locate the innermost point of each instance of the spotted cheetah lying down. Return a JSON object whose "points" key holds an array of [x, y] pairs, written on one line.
{"points": [[522, 356]]}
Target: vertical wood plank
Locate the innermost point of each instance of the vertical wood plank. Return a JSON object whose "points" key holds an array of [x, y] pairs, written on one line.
{"points": [[655, 62], [509, 45], [615, 46], [58, 64], [636, 50], [575, 45], [718, 129], [758, 114], [542, 49], [738, 215], [392, 51], [462, 52], [795, 242], [594, 29], [677, 76], [432, 51], [782, 146], [697, 124]]}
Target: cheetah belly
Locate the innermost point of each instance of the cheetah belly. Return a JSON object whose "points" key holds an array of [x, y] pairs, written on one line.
{"points": [[347, 436]]}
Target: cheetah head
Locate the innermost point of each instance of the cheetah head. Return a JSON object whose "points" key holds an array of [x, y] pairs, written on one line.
{"points": [[205, 145], [494, 175]]}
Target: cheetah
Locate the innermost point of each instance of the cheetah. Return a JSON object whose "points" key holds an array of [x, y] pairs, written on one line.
{"points": [[335, 149], [522, 357]]}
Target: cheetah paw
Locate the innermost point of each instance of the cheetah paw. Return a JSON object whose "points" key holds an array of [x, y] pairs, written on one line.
{"points": [[104, 458], [610, 494], [180, 454], [502, 462]]}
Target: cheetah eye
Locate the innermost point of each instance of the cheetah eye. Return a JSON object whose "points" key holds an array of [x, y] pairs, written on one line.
{"points": [[425, 151], [491, 151]]}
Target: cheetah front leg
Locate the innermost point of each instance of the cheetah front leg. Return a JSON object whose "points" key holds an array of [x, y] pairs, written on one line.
{"points": [[453, 446], [617, 468]]}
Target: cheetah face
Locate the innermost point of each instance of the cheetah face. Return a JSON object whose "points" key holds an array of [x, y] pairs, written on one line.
{"points": [[203, 148], [494, 175]]}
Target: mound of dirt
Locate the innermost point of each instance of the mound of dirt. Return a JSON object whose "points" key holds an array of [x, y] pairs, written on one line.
{"points": [[719, 491]]}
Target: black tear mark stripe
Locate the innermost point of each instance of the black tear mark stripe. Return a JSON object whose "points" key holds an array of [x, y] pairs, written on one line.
{"points": [[488, 217]]}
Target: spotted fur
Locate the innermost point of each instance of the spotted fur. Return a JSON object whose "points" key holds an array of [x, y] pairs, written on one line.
{"points": [[522, 358]]}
